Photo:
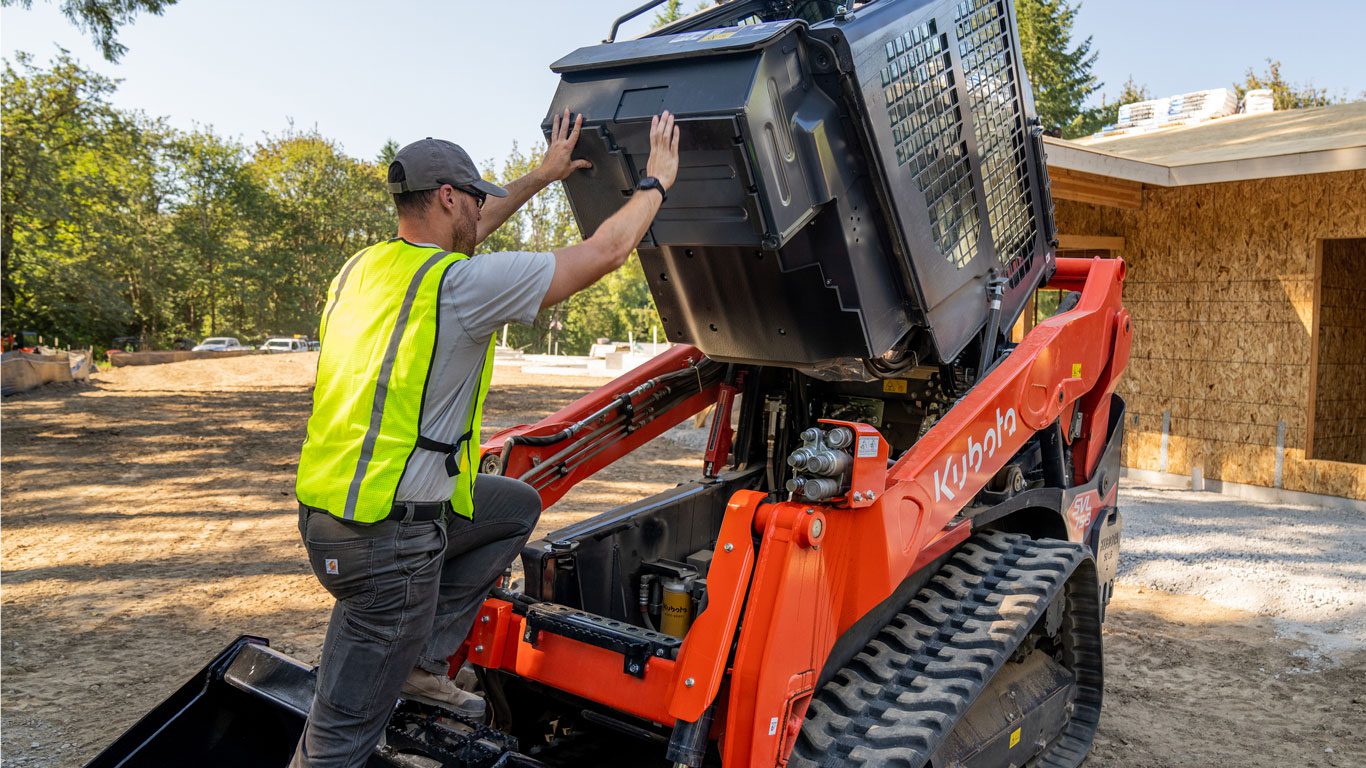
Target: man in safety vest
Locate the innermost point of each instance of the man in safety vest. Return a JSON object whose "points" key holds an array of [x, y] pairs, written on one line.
{"points": [[397, 527]]}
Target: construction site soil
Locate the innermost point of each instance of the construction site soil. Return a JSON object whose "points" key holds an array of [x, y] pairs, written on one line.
{"points": [[148, 520]]}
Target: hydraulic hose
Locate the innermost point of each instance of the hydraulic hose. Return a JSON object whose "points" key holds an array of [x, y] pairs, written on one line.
{"points": [[620, 402], [995, 289], [626, 416]]}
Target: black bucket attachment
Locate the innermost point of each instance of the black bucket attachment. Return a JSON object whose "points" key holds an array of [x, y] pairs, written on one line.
{"points": [[850, 184], [248, 706]]}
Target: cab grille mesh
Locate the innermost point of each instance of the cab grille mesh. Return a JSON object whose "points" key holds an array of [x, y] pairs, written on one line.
{"points": [[984, 45], [927, 128]]}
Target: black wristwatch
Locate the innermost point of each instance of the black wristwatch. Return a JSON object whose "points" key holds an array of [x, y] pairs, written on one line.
{"points": [[650, 182]]}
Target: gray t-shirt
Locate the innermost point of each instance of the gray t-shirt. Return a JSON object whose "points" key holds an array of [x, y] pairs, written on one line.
{"points": [[478, 296]]}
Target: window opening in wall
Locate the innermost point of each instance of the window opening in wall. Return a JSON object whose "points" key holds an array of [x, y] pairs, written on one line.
{"points": [[1337, 398]]}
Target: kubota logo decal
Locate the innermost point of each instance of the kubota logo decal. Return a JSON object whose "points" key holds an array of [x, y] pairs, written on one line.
{"points": [[954, 475]]}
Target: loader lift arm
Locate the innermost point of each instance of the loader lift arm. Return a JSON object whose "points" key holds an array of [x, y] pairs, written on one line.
{"points": [[570, 445]]}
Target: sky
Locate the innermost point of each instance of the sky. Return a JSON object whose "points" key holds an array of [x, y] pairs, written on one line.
{"points": [[478, 72]]}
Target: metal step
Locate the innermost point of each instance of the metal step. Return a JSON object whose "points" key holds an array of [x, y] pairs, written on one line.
{"points": [[635, 644]]}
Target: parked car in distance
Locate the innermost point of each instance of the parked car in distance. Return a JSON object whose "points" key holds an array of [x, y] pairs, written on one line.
{"points": [[315, 345], [128, 343], [282, 344], [218, 344]]}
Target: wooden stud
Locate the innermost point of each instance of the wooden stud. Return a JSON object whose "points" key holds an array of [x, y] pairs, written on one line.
{"points": [[1090, 243], [1314, 351]]}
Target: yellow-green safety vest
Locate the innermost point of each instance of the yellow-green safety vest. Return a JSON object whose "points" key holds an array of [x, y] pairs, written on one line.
{"points": [[378, 336]]}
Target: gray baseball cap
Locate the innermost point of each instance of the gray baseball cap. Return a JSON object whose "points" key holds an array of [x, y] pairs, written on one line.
{"points": [[429, 163]]}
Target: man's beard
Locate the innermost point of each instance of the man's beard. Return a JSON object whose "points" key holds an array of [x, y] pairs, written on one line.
{"points": [[464, 234]]}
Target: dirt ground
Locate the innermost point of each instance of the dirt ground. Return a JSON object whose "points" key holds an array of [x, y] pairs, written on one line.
{"points": [[148, 521]]}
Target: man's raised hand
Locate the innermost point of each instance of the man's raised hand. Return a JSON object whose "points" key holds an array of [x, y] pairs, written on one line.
{"points": [[663, 162], [579, 266], [564, 135]]}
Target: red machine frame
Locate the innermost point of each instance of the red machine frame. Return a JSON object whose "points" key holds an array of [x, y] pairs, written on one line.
{"points": [[819, 568]]}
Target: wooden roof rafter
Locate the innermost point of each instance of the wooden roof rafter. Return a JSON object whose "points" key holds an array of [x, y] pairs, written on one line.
{"points": [[1098, 190]]}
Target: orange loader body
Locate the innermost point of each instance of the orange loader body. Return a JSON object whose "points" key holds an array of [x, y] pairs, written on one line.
{"points": [[821, 567]]}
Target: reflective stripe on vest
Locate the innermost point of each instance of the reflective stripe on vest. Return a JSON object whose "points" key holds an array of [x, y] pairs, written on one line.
{"points": [[378, 336]]}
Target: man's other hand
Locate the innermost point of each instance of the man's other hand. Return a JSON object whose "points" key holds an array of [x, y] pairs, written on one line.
{"points": [[579, 266], [663, 162], [558, 162]]}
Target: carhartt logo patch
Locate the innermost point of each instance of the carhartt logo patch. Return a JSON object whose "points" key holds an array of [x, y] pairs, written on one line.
{"points": [[330, 565]]}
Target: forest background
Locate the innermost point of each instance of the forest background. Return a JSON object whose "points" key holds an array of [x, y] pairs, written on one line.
{"points": [[114, 225]]}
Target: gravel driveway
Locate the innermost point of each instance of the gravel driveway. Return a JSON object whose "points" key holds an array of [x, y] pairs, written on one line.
{"points": [[1303, 566]]}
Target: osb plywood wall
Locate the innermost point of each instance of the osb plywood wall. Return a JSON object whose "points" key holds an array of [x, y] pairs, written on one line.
{"points": [[1220, 286], [1339, 425]]}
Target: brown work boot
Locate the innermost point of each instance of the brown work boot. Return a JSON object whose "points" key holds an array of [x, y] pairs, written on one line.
{"points": [[442, 691]]}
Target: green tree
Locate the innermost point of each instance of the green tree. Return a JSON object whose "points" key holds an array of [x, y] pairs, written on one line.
{"points": [[111, 224], [672, 10], [387, 152], [1286, 95], [616, 307], [322, 207], [101, 19], [114, 224], [78, 185], [1059, 72], [133, 232], [668, 13], [213, 204]]}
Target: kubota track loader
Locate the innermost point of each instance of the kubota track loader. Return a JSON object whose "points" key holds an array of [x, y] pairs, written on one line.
{"points": [[902, 533]]}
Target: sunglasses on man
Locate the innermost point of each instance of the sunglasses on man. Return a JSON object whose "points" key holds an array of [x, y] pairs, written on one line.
{"points": [[479, 197]]}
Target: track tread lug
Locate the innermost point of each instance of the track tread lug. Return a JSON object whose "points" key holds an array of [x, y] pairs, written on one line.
{"points": [[898, 699]]}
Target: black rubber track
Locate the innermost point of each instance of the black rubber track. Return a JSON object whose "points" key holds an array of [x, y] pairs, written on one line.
{"points": [[894, 703]]}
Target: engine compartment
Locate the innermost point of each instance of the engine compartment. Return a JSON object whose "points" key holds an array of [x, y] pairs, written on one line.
{"points": [[644, 565]]}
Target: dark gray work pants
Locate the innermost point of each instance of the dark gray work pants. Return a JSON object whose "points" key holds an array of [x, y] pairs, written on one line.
{"points": [[407, 594]]}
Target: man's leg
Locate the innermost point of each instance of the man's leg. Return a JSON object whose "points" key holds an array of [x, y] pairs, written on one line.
{"points": [[385, 578], [477, 553]]}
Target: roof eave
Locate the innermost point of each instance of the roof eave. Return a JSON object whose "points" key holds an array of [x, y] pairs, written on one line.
{"points": [[1073, 157], [1297, 164]]}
